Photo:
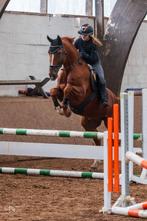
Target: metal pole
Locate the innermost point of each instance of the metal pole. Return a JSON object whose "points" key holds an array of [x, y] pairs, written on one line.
{"points": [[89, 7], [43, 6], [99, 19]]}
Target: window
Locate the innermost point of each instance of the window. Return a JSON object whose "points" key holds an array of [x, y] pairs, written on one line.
{"points": [[24, 5], [74, 7]]}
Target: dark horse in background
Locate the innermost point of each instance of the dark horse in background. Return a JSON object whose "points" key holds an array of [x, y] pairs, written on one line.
{"points": [[74, 91]]}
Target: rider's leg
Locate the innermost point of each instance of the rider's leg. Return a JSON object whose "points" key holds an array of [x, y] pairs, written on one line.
{"points": [[101, 82]]}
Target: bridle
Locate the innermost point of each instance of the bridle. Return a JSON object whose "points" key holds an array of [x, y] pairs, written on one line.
{"points": [[56, 49]]}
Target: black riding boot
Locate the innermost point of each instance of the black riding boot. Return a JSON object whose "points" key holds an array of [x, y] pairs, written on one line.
{"points": [[103, 94]]}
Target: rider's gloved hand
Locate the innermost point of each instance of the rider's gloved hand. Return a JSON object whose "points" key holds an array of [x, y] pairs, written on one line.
{"points": [[83, 54]]}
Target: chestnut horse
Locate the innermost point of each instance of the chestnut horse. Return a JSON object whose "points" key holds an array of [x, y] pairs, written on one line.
{"points": [[74, 91]]}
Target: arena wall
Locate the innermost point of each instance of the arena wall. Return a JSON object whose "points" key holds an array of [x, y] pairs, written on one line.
{"points": [[136, 69], [24, 48]]}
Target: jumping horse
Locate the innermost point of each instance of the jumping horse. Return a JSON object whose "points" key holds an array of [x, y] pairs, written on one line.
{"points": [[75, 91]]}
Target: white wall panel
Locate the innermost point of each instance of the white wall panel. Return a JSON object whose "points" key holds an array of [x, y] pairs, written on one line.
{"points": [[24, 48]]}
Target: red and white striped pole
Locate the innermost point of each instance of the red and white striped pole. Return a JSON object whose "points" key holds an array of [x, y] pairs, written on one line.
{"points": [[129, 212], [136, 159]]}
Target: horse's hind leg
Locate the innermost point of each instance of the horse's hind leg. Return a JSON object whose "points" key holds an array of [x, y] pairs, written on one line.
{"points": [[91, 125]]}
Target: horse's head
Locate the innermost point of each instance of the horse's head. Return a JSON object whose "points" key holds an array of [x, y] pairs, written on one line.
{"points": [[57, 56]]}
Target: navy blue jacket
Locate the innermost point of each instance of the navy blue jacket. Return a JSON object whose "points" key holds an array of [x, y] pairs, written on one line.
{"points": [[88, 50]]}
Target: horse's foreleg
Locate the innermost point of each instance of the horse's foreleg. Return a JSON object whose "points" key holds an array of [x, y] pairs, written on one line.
{"points": [[54, 92], [91, 125], [65, 103], [56, 103], [65, 108]]}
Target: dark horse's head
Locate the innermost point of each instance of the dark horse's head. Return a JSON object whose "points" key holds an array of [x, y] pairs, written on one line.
{"points": [[56, 56], [61, 52]]}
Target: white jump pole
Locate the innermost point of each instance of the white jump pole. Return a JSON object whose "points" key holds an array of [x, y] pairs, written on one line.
{"points": [[124, 199], [107, 195], [130, 127], [143, 176], [124, 145]]}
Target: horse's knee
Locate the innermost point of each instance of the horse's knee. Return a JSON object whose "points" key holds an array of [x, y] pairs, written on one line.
{"points": [[53, 92]]}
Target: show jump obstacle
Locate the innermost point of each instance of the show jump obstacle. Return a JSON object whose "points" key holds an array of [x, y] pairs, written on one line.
{"points": [[72, 151], [125, 204], [52, 151], [111, 155]]}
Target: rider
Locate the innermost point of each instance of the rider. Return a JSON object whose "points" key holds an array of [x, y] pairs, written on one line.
{"points": [[88, 49]]}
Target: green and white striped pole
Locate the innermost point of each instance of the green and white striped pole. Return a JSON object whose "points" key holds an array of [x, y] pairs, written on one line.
{"points": [[51, 133], [57, 133], [46, 172]]}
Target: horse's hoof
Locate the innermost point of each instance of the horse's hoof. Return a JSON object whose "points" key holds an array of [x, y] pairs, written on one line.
{"points": [[60, 110], [57, 108], [67, 113], [94, 165], [93, 169]]}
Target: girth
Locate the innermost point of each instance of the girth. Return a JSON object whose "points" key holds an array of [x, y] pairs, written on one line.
{"points": [[79, 109]]}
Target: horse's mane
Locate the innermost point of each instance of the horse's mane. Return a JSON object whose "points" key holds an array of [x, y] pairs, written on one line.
{"points": [[69, 39], [68, 44]]}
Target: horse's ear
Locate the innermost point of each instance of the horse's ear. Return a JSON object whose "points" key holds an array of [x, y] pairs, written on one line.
{"points": [[49, 39], [59, 40]]}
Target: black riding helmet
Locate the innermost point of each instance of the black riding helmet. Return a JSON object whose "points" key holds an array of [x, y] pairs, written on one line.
{"points": [[86, 29]]}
